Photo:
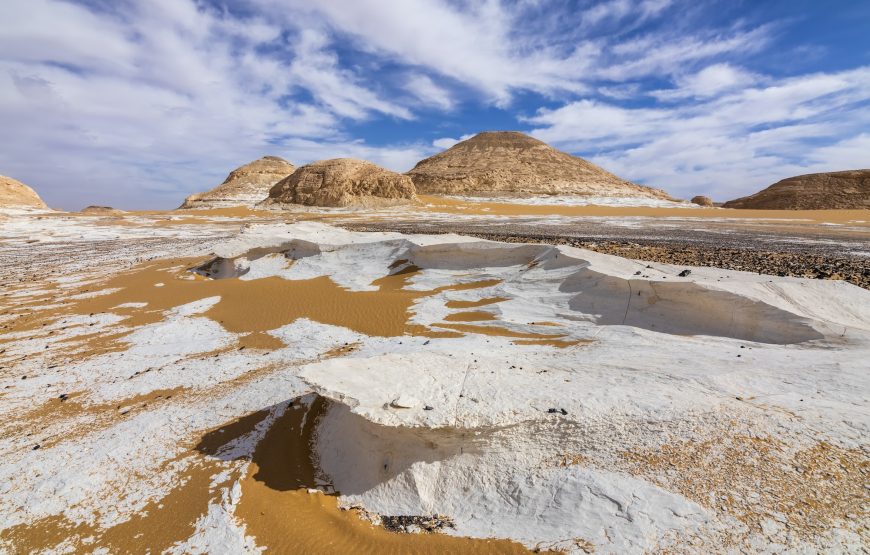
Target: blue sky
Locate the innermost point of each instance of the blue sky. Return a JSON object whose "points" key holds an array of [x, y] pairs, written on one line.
{"points": [[136, 104]]}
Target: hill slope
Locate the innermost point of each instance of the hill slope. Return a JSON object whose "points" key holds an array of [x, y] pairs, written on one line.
{"points": [[816, 191], [510, 163], [244, 186], [14, 193]]}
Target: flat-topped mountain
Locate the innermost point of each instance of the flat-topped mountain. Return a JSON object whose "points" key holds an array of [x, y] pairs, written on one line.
{"points": [[244, 186], [815, 191], [343, 182], [100, 210], [509, 163], [15, 194]]}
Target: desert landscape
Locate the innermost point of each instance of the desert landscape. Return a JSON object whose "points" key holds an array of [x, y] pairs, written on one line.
{"points": [[434, 277], [326, 358]]}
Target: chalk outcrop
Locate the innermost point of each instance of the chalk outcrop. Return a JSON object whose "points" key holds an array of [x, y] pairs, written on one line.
{"points": [[15, 194], [244, 186], [701, 200], [343, 182], [624, 425], [815, 191], [509, 163]]}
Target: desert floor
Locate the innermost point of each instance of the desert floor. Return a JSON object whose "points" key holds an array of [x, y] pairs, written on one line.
{"points": [[485, 374]]}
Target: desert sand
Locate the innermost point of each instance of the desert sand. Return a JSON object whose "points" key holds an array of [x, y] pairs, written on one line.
{"points": [[234, 379]]}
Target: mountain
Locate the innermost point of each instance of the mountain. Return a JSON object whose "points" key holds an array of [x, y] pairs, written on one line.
{"points": [[15, 194], [815, 191], [509, 163], [343, 182], [244, 186]]}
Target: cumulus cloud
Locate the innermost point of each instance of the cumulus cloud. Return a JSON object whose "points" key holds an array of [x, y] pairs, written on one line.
{"points": [[733, 143], [430, 94], [138, 104]]}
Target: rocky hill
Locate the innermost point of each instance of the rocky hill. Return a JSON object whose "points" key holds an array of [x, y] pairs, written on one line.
{"points": [[343, 182], [815, 191], [244, 186], [100, 210], [15, 194], [509, 163]]}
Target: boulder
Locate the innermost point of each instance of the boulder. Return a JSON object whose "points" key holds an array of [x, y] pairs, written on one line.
{"points": [[342, 182]]}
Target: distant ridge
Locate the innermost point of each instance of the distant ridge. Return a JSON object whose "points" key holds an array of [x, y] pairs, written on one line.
{"points": [[815, 191], [510, 163], [244, 186]]}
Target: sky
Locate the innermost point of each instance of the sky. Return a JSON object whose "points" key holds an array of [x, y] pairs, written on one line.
{"points": [[136, 104]]}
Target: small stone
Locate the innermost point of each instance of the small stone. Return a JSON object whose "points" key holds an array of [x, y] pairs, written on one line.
{"points": [[684, 273], [404, 402]]}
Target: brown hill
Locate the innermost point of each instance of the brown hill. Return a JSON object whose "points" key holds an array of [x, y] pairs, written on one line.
{"points": [[343, 182], [15, 194], [508, 163], [244, 186], [98, 210], [815, 191]]}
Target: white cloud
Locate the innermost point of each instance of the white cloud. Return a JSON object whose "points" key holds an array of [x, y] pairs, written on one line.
{"points": [[140, 103], [728, 145], [446, 142], [428, 92], [142, 106], [710, 81]]}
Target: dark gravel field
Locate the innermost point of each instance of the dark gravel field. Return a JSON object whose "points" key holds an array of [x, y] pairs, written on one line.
{"points": [[802, 251]]}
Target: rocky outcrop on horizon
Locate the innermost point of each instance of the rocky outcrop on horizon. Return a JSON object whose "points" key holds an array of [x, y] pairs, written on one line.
{"points": [[244, 186], [343, 182], [701, 200], [509, 163], [100, 210], [815, 191], [15, 194]]}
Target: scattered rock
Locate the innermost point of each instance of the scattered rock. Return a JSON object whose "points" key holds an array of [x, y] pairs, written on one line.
{"points": [[411, 524], [404, 402]]}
